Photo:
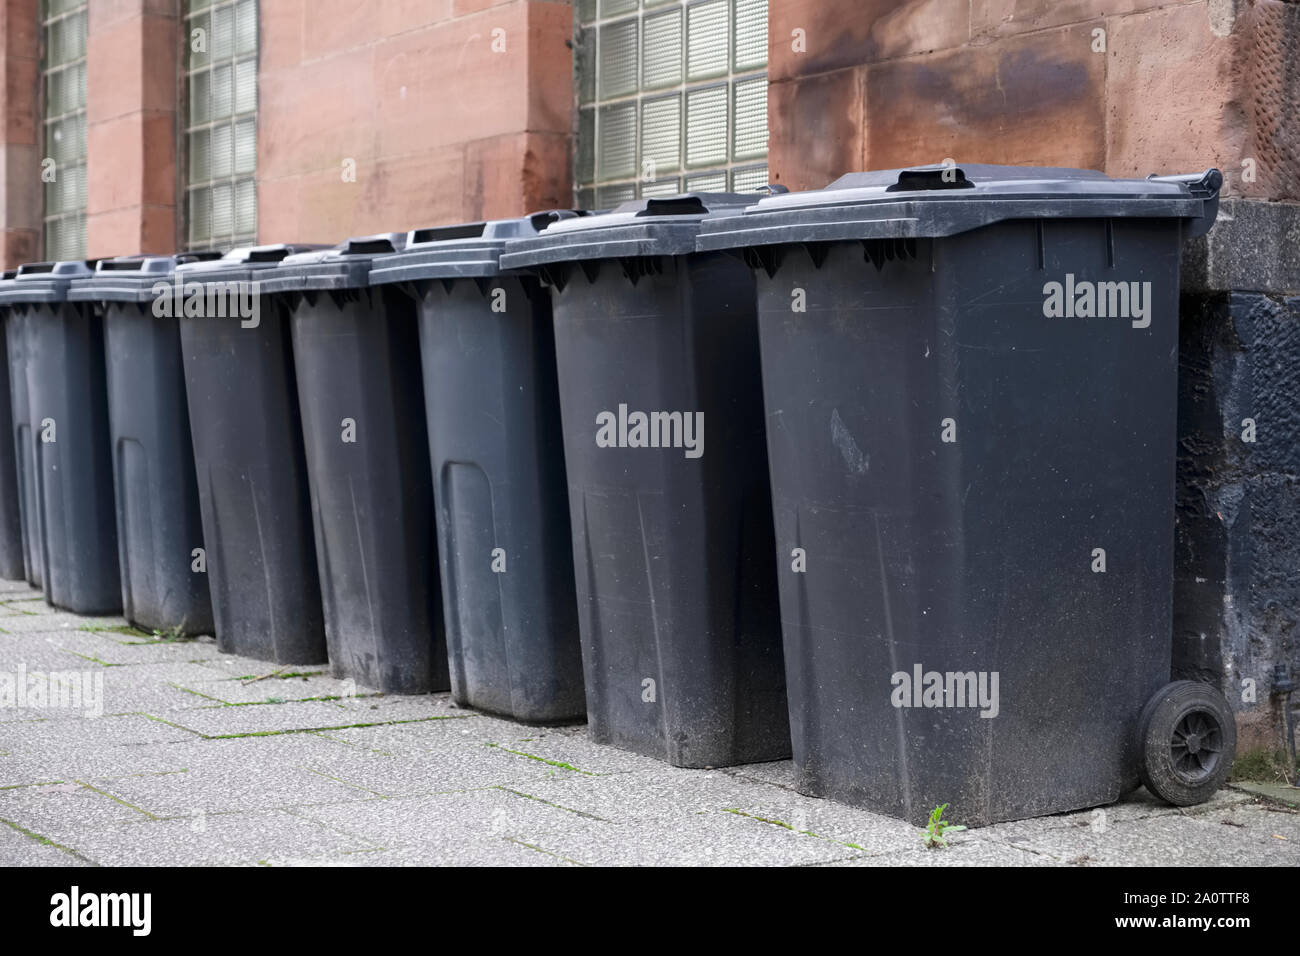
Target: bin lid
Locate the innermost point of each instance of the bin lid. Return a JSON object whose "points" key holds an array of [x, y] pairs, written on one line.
{"points": [[242, 264], [945, 200], [44, 282], [468, 250], [345, 266], [132, 278], [650, 226]]}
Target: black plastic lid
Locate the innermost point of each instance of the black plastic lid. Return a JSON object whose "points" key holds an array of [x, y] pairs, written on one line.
{"points": [[469, 250], [44, 282], [132, 278], [945, 200], [242, 264], [650, 226], [345, 266]]}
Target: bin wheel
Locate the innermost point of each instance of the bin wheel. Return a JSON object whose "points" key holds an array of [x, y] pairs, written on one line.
{"points": [[1187, 740]]}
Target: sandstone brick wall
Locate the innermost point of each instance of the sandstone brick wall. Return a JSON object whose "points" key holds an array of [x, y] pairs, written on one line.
{"points": [[1130, 87], [20, 151], [437, 110], [132, 79], [457, 109], [450, 109]]}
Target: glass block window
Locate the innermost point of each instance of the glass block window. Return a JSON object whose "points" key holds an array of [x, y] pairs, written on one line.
{"points": [[220, 123], [63, 167], [672, 97]]}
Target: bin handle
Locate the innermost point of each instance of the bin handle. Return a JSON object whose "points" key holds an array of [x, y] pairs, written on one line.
{"points": [[930, 177], [35, 268], [684, 205], [268, 253], [368, 245], [540, 220], [200, 255], [1204, 185], [125, 264], [464, 230]]}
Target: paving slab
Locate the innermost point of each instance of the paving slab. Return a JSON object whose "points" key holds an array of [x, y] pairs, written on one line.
{"points": [[209, 839], [706, 839], [436, 820], [25, 769], [461, 728], [245, 668], [1171, 840], [106, 691], [966, 853], [192, 754], [499, 851], [449, 766], [666, 793], [849, 827], [54, 811], [43, 621], [232, 690], [779, 773], [40, 651], [570, 749], [103, 647], [287, 717], [1259, 823], [34, 853], [250, 787], [44, 736], [369, 703], [1136, 806], [1283, 793]]}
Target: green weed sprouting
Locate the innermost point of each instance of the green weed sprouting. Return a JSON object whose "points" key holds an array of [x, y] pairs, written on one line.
{"points": [[937, 827]]}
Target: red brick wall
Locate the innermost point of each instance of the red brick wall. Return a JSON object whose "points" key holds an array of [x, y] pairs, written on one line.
{"points": [[440, 126], [1178, 87], [449, 110], [132, 78], [20, 156]]}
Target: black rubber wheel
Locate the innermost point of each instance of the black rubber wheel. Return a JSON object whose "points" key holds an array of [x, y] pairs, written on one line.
{"points": [[1187, 739]]}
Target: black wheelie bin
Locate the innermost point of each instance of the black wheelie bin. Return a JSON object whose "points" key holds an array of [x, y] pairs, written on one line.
{"points": [[13, 561], [970, 383], [62, 350], [159, 528], [17, 331], [357, 361], [661, 407], [493, 408], [248, 458]]}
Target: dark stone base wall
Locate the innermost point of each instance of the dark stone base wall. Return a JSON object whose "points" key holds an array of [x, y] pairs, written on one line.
{"points": [[1237, 575]]}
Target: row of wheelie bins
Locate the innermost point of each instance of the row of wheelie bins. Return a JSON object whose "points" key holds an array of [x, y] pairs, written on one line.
{"points": [[880, 476]]}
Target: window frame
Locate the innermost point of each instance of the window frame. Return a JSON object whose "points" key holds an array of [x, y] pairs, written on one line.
{"points": [[190, 11], [601, 192], [46, 21]]}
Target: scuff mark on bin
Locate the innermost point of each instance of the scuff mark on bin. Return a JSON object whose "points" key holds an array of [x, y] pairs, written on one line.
{"points": [[899, 724], [854, 457]]}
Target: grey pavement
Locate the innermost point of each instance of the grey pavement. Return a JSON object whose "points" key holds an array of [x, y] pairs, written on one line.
{"points": [[203, 758]]}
